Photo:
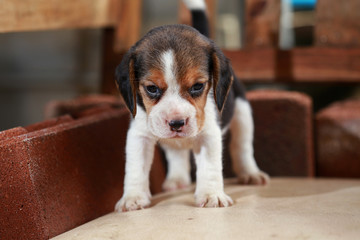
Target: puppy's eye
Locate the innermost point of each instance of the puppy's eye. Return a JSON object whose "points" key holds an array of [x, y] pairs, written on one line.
{"points": [[196, 89], [153, 91]]}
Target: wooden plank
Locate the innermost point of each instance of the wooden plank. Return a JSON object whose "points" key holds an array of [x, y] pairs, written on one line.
{"points": [[29, 15], [297, 65], [128, 24], [262, 23], [337, 23]]}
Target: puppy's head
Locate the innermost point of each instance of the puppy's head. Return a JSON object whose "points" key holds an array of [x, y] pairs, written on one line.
{"points": [[170, 72]]}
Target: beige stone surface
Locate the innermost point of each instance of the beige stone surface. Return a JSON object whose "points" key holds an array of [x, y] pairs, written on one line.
{"points": [[285, 209]]}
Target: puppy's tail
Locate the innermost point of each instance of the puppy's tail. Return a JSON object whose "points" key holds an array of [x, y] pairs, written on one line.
{"points": [[198, 15]]}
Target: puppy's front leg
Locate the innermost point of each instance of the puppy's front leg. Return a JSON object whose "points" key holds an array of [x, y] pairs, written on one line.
{"points": [[139, 156], [209, 180]]}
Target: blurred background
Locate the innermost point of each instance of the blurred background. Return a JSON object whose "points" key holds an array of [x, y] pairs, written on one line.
{"points": [[39, 66]]}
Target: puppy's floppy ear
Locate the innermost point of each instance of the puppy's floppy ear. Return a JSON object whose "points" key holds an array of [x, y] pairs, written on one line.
{"points": [[222, 76], [126, 82]]}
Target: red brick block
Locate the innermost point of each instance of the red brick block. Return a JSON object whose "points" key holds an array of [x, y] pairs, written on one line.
{"points": [[283, 141], [62, 172], [338, 140], [56, 178]]}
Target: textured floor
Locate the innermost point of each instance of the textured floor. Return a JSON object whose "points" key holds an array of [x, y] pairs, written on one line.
{"points": [[285, 209]]}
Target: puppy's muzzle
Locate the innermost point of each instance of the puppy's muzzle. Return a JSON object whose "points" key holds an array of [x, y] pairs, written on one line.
{"points": [[176, 125]]}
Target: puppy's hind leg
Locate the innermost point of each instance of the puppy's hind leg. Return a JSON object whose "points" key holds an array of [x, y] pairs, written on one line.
{"points": [[241, 145], [178, 175]]}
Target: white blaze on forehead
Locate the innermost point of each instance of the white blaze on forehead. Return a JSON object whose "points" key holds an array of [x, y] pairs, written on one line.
{"points": [[168, 62]]}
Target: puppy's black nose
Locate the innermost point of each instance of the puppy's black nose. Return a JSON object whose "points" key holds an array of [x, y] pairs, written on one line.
{"points": [[175, 125]]}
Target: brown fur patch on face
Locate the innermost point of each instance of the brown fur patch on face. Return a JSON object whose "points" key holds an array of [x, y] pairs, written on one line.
{"points": [[154, 77], [189, 79]]}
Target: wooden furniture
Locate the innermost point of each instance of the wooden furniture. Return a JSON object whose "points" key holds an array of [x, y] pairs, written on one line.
{"points": [[31, 15]]}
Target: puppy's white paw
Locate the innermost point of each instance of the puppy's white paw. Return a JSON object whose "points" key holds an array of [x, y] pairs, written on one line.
{"points": [[257, 178], [173, 184], [132, 202], [214, 200]]}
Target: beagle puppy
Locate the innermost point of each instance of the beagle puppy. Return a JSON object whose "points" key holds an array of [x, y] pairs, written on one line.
{"points": [[183, 95]]}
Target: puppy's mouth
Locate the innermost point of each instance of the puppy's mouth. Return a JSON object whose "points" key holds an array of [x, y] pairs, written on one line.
{"points": [[178, 134]]}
